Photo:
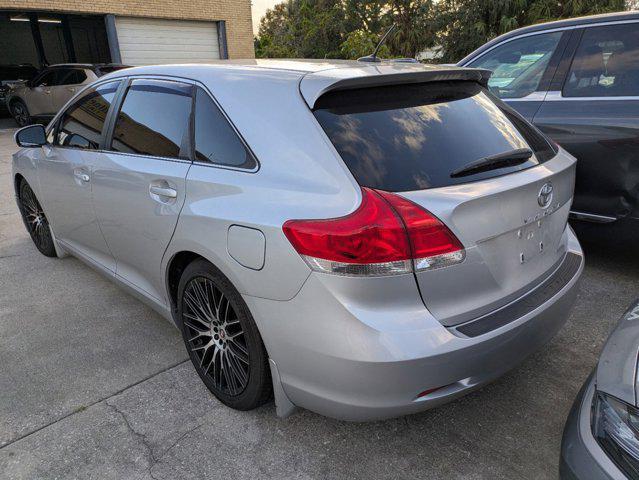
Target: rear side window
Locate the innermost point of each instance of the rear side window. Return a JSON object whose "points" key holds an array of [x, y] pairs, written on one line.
{"points": [[518, 65], [413, 137], [154, 119], [606, 63], [215, 140], [81, 125]]}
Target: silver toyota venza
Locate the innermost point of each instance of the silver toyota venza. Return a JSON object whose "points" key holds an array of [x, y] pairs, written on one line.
{"points": [[363, 240]]}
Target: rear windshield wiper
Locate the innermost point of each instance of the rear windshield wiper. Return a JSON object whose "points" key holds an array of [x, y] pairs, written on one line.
{"points": [[501, 160]]}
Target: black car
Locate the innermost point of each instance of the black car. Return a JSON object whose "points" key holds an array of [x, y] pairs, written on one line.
{"points": [[11, 74], [577, 80]]}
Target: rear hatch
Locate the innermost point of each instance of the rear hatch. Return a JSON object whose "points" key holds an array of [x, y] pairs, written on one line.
{"points": [[423, 141]]}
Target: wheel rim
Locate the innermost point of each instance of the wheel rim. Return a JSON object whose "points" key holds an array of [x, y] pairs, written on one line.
{"points": [[20, 114], [35, 218], [215, 336]]}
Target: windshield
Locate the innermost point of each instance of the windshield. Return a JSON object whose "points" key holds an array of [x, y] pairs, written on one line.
{"points": [[414, 137]]}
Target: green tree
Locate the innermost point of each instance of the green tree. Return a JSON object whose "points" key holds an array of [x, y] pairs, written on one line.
{"points": [[416, 26], [302, 28], [352, 28], [344, 28], [360, 43]]}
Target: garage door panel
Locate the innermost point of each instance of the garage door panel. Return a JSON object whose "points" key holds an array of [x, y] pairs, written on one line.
{"points": [[145, 41], [159, 47], [162, 41]]}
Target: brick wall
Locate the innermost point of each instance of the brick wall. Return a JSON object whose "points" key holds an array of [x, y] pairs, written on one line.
{"points": [[236, 13]]}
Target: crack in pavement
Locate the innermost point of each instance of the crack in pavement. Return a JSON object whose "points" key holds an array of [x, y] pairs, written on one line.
{"points": [[85, 407], [153, 458]]}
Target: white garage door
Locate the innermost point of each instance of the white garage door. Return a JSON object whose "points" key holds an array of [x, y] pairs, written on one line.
{"points": [[146, 41]]}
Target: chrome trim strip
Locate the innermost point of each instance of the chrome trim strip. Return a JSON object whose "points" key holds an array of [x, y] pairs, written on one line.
{"points": [[538, 96], [591, 217], [557, 96]]}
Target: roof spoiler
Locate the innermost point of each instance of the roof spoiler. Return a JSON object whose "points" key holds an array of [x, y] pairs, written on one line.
{"points": [[314, 85]]}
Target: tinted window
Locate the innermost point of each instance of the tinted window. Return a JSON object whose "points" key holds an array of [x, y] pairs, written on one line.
{"points": [[518, 65], [81, 125], [411, 137], [606, 63], [59, 75], [154, 119], [46, 79], [70, 77], [215, 139]]}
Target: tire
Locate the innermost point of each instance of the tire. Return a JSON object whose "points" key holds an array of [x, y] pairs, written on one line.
{"points": [[222, 339], [20, 113], [35, 220]]}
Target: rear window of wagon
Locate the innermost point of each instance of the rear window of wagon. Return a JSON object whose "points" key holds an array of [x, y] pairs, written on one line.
{"points": [[412, 137]]}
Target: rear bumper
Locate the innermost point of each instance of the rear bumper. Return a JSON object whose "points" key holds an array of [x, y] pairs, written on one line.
{"points": [[371, 360], [581, 456]]}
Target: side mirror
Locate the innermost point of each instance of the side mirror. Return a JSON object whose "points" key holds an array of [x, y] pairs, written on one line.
{"points": [[31, 136]]}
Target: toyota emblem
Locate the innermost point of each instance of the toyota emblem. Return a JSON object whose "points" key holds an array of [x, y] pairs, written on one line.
{"points": [[544, 198]]}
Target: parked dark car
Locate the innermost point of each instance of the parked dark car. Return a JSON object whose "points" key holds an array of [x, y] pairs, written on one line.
{"points": [[12, 74], [577, 80]]}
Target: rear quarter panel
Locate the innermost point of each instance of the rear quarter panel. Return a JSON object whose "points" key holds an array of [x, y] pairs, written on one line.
{"points": [[300, 175]]}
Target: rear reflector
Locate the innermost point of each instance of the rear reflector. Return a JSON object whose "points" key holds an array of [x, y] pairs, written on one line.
{"points": [[427, 392], [386, 235]]}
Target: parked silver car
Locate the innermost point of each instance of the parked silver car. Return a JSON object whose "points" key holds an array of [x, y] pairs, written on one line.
{"points": [[363, 240], [601, 437], [45, 94]]}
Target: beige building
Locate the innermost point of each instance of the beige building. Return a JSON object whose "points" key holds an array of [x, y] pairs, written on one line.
{"points": [[134, 32]]}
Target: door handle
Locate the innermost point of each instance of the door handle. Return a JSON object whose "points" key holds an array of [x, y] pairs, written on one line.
{"points": [[163, 191], [82, 176], [71, 89]]}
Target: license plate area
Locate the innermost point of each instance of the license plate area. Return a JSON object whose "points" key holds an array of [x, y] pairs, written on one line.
{"points": [[533, 239]]}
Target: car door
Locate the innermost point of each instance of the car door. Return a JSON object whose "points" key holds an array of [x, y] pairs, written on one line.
{"points": [[139, 184], [592, 110], [37, 96], [521, 69], [68, 83], [65, 175]]}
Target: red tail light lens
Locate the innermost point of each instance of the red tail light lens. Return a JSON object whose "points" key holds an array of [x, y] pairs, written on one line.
{"points": [[432, 242], [384, 236]]}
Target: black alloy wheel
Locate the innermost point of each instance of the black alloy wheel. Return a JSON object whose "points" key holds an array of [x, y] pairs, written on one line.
{"points": [[35, 220], [222, 339]]}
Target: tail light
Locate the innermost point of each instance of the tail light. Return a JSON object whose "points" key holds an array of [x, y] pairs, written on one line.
{"points": [[386, 235]]}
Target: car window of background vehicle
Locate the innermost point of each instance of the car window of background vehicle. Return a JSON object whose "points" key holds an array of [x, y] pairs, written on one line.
{"points": [[606, 63], [45, 80], [81, 125], [215, 139], [70, 77], [154, 119], [518, 65]]}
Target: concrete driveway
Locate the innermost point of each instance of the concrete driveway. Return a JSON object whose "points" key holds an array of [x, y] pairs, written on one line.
{"points": [[95, 385]]}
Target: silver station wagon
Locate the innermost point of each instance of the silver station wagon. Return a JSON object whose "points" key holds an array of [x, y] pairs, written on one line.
{"points": [[363, 240]]}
